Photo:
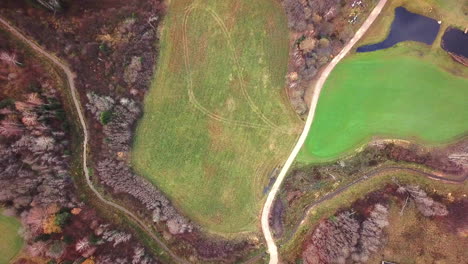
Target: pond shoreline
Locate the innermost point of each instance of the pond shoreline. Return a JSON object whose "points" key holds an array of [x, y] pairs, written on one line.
{"points": [[455, 42], [406, 26]]}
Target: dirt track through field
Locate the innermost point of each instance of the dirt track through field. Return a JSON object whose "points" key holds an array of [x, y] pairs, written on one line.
{"points": [[191, 93], [71, 84], [268, 123], [272, 248]]}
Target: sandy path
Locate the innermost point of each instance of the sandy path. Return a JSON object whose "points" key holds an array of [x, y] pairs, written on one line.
{"points": [[272, 248]]}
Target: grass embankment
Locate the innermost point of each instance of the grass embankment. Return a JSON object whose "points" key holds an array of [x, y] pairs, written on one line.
{"points": [[216, 120], [403, 92], [291, 249], [10, 240]]}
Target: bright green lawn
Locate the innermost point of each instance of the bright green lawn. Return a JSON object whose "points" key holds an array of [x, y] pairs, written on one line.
{"points": [[212, 155], [392, 93], [10, 241]]}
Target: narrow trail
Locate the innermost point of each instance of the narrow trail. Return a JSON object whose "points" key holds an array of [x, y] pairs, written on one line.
{"points": [[272, 248], [366, 176], [71, 83]]}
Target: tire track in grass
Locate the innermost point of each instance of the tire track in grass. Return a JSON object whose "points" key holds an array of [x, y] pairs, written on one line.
{"points": [[252, 104], [192, 97], [191, 94]]}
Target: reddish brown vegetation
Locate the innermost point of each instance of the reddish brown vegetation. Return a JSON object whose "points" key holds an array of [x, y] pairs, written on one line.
{"points": [[37, 187], [302, 183], [112, 47], [438, 159], [34, 172], [356, 233]]}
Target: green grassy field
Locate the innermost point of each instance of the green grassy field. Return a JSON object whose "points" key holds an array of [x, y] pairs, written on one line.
{"points": [[10, 241], [216, 120], [411, 91]]}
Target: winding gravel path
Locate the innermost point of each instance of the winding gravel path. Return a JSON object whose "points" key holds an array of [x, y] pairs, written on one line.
{"points": [[272, 248], [71, 84]]}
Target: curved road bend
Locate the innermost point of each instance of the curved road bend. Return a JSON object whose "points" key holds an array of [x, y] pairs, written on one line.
{"points": [[371, 174], [272, 248], [71, 83]]}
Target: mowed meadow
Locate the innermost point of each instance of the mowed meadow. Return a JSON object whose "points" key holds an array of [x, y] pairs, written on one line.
{"points": [[217, 120], [411, 91], [10, 240]]}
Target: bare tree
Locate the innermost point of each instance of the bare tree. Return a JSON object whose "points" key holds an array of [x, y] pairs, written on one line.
{"points": [[333, 241], [53, 5], [9, 58], [10, 128], [425, 204], [371, 234]]}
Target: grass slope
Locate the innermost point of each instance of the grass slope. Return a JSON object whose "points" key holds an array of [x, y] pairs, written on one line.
{"points": [[10, 241], [216, 120], [410, 91]]}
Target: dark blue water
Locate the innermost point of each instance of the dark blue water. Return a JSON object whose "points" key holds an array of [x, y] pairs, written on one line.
{"points": [[407, 26], [455, 41]]}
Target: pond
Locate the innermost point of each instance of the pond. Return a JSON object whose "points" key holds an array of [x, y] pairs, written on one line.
{"points": [[407, 26], [455, 41]]}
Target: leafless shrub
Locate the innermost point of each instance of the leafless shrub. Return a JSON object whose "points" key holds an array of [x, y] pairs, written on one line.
{"points": [[53, 5], [118, 176], [10, 128], [118, 130], [333, 241], [425, 204], [296, 15], [116, 237], [99, 104], [82, 245], [371, 234], [37, 249], [9, 58], [132, 70]]}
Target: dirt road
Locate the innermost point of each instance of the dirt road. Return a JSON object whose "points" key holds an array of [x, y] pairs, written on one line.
{"points": [[71, 84], [272, 249]]}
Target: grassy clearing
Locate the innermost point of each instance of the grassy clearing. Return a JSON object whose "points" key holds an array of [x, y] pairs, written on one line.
{"points": [[292, 248], [413, 238], [216, 120], [411, 91], [10, 241]]}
